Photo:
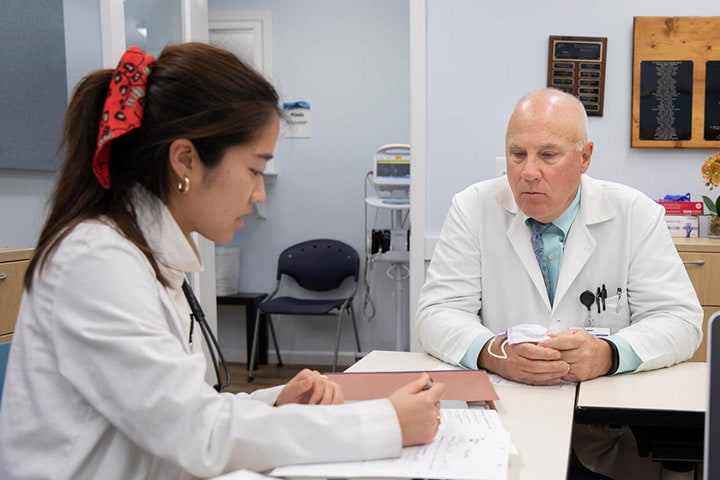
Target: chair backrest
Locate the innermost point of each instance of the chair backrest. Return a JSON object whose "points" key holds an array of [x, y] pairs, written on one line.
{"points": [[319, 265], [4, 354]]}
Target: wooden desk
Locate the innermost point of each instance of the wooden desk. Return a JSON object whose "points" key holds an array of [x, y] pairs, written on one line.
{"points": [[250, 301], [665, 409], [539, 419], [701, 257], [13, 264]]}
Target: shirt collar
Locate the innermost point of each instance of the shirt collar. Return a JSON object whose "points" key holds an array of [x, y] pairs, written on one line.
{"points": [[176, 254]]}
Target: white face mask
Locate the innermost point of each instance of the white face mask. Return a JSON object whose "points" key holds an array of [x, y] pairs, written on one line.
{"points": [[524, 333], [527, 332]]}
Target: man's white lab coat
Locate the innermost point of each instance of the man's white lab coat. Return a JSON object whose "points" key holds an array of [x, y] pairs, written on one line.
{"points": [[484, 276]]}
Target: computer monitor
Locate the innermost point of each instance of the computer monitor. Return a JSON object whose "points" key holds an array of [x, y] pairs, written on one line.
{"points": [[711, 454], [391, 167]]}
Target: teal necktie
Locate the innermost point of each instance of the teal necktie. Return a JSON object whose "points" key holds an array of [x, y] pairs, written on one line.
{"points": [[539, 247]]}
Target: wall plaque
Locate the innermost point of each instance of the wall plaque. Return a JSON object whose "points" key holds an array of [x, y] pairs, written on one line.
{"points": [[676, 82], [666, 100], [577, 65], [712, 100]]}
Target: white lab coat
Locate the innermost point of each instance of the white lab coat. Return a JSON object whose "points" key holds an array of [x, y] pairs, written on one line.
{"points": [[104, 382], [484, 276]]}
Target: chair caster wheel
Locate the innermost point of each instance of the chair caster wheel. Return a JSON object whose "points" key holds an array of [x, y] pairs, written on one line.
{"points": [[250, 378], [280, 364]]}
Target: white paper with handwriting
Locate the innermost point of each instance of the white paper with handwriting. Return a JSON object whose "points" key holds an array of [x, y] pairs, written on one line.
{"points": [[471, 444]]}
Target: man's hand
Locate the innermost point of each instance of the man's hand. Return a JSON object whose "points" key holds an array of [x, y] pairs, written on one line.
{"points": [[588, 356], [525, 363]]}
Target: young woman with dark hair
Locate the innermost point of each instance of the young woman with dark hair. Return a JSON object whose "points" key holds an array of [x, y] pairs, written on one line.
{"points": [[106, 377]]}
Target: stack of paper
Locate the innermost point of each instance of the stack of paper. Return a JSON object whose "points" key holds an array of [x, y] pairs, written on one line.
{"points": [[471, 444]]}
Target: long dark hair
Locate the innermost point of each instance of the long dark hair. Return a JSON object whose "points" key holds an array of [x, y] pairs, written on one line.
{"points": [[195, 91]]}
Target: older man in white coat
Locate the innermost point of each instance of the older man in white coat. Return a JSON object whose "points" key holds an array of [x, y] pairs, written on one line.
{"points": [[601, 286]]}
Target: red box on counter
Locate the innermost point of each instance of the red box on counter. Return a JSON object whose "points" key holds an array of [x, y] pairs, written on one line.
{"points": [[682, 208]]}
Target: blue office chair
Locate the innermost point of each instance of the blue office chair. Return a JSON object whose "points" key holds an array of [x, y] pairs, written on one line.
{"points": [[4, 354], [317, 272]]}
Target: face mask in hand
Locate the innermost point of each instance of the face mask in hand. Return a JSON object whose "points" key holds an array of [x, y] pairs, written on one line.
{"points": [[527, 332], [524, 333]]}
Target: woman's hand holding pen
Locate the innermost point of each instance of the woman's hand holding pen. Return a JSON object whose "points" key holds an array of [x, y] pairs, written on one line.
{"points": [[312, 388], [417, 405]]}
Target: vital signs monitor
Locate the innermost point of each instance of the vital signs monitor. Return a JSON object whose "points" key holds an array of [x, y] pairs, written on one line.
{"points": [[391, 169]]}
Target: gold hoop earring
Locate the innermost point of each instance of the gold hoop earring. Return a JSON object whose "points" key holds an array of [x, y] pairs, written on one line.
{"points": [[184, 185]]}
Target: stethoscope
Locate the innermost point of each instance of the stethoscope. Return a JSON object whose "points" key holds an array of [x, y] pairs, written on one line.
{"points": [[210, 339]]}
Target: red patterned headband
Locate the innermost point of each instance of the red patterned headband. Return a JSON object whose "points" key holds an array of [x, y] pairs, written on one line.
{"points": [[123, 109]]}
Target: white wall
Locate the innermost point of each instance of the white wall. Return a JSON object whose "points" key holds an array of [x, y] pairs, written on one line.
{"points": [[350, 61], [22, 206], [483, 56]]}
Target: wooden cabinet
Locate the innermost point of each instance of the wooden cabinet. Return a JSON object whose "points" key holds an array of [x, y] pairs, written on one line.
{"points": [[701, 257], [13, 264]]}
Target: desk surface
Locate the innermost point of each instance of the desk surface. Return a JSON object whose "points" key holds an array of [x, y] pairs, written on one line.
{"points": [[539, 419], [682, 387]]}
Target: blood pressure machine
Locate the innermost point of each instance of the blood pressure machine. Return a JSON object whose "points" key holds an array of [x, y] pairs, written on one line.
{"points": [[391, 180], [390, 177], [391, 171]]}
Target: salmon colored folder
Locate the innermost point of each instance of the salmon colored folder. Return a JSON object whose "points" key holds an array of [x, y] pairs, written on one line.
{"points": [[465, 385]]}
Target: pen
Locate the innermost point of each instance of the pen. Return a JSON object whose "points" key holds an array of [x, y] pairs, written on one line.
{"points": [[428, 385]]}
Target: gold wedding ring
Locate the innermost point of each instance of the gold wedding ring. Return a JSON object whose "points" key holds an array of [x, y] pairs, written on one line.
{"points": [[568, 372], [438, 419]]}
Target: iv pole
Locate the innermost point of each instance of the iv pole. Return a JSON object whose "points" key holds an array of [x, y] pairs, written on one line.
{"points": [[397, 268], [398, 260]]}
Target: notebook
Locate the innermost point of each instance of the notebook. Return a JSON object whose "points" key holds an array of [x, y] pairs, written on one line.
{"points": [[471, 386], [711, 452]]}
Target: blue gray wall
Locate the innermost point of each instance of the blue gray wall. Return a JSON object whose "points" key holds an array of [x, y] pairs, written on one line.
{"points": [[23, 193]]}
